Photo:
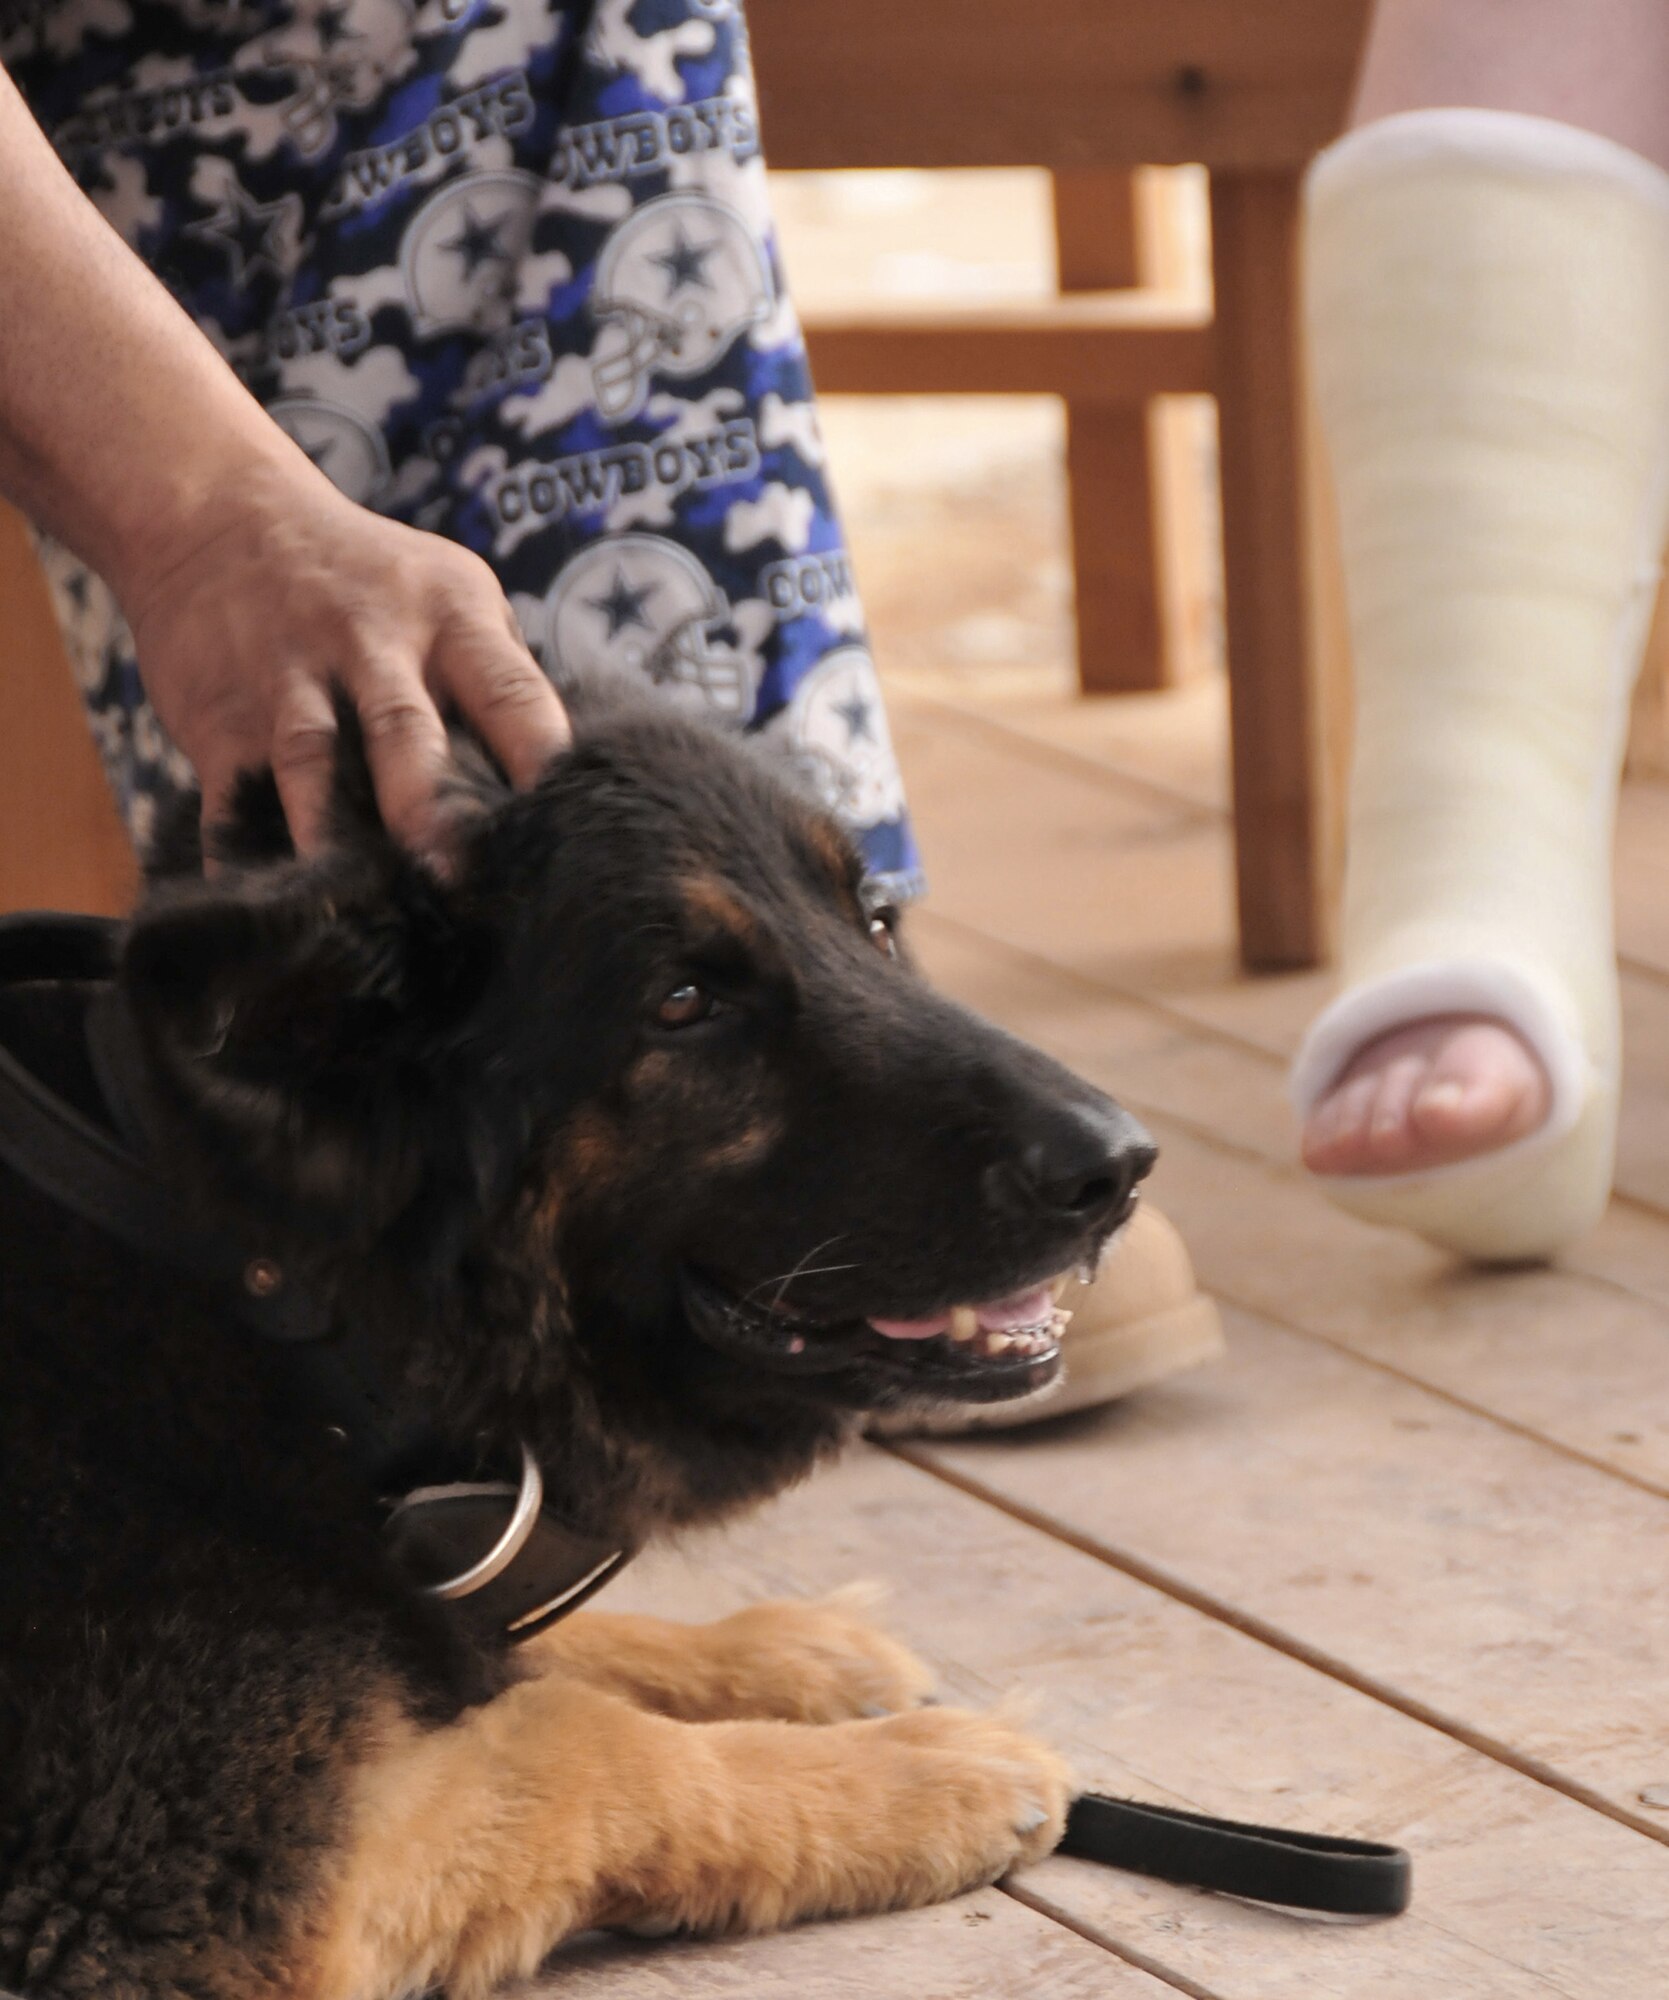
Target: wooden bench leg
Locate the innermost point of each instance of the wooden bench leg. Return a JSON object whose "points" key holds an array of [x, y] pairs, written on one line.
{"points": [[1109, 457], [1273, 672], [1115, 554]]}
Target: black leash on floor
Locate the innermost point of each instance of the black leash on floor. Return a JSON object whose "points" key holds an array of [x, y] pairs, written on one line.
{"points": [[1305, 1871]]}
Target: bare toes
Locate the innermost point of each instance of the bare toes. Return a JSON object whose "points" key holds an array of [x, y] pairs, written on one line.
{"points": [[1485, 1089], [1391, 1141], [1336, 1138], [1428, 1095]]}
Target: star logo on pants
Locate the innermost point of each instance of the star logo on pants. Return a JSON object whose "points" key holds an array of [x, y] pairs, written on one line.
{"points": [[252, 235], [477, 242], [685, 264], [854, 711], [623, 606]]}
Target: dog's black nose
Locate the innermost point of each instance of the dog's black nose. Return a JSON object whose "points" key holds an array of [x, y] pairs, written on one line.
{"points": [[1085, 1164]]}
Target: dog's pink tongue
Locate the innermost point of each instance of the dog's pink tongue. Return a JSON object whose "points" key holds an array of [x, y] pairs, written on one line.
{"points": [[912, 1329], [999, 1315], [1018, 1309]]}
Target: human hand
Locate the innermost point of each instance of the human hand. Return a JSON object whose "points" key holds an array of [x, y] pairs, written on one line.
{"points": [[244, 627], [252, 585]]}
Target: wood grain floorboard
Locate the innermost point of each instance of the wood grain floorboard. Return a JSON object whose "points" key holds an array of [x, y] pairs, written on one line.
{"points": [[1519, 1595], [983, 1947], [1520, 1891]]}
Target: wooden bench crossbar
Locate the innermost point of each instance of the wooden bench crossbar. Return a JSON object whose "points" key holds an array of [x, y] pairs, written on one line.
{"points": [[1051, 351]]}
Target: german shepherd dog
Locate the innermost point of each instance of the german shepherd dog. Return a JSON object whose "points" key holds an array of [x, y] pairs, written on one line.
{"points": [[634, 1136]]}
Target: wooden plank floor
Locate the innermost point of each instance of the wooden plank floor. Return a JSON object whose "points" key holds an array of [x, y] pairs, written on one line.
{"points": [[1398, 1565]]}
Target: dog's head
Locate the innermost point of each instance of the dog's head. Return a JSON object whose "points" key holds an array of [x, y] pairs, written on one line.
{"points": [[639, 1129]]}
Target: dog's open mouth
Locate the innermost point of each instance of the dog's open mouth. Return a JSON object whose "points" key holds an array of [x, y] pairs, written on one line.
{"points": [[985, 1352]]}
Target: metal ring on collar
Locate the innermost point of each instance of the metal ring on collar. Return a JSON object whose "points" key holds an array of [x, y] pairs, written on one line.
{"points": [[524, 1517]]}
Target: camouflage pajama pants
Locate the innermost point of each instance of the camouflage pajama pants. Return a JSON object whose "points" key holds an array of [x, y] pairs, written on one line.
{"points": [[504, 269]]}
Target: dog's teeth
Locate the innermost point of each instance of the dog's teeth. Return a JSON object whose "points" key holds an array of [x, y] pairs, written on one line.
{"points": [[991, 1341], [1027, 1341]]}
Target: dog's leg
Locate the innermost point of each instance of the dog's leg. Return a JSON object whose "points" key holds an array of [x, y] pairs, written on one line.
{"points": [[821, 1660], [557, 1807]]}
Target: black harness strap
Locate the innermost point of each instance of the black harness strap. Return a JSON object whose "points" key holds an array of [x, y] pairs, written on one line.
{"points": [[1306, 1871], [87, 1170], [454, 1530]]}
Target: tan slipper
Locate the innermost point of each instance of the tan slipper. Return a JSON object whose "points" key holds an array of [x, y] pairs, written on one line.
{"points": [[1142, 1318]]}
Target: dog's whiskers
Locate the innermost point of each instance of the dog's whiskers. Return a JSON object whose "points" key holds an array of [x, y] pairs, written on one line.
{"points": [[803, 1269]]}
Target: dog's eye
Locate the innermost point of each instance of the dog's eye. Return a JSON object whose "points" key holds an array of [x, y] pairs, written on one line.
{"points": [[684, 1006], [881, 932]]}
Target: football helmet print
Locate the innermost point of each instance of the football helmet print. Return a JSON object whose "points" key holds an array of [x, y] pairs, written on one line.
{"points": [[839, 740], [343, 54], [677, 282], [461, 251], [352, 454], [641, 605]]}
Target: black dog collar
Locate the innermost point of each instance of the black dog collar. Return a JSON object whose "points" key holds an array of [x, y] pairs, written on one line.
{"points": [[489, 1547]]}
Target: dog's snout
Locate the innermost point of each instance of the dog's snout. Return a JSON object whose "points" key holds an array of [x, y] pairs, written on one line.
{"points": [[1085, 1165]]}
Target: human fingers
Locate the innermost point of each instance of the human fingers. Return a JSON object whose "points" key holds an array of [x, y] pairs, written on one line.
{"points": [[405, 746], [481, 663], [303, 754], [220, 750], [499, 689]]}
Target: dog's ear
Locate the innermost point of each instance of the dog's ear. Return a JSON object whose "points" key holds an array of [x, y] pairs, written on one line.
{"points": [[305, 962], [306, 1017]]}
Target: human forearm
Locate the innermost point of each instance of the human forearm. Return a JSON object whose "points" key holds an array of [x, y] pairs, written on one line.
{"points": [[119, 423], [254, 589]]}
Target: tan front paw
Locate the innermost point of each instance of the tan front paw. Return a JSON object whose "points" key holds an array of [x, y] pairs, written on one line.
{"points": [[819, 1661], [977, 1796], [789, 1823]]}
